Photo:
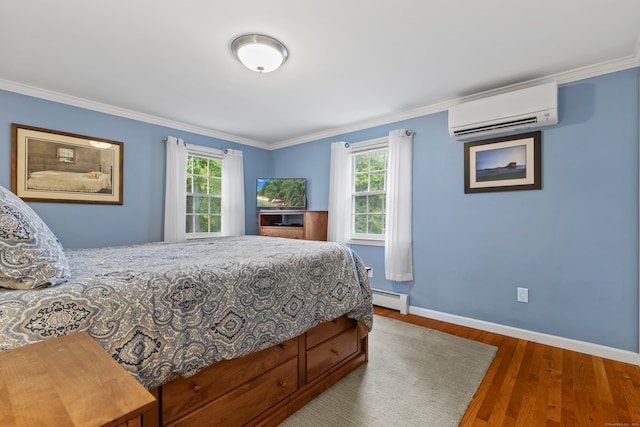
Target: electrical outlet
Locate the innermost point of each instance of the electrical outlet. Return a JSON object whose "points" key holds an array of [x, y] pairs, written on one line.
{"points": [[523, 294], [370, 271]]}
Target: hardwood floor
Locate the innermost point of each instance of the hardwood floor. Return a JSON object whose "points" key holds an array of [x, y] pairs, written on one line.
{"points": [[530, 384]]}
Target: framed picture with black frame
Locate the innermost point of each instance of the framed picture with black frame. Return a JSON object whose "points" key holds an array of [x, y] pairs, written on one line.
{"points": [[507, 163]]}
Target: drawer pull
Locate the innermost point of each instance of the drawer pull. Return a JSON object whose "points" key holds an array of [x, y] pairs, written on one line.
{"points": [[336, 352], [282, 383], [283, 346], [196, 388]]}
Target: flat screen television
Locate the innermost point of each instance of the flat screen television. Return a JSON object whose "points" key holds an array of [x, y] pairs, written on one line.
{"points": [[281, 193]]}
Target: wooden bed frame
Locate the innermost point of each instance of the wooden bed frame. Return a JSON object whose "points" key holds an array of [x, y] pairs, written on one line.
{"points": [[263, 388]]}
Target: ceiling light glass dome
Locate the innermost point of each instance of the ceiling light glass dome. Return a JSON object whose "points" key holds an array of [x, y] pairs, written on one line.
{"points": [[259, 53]]}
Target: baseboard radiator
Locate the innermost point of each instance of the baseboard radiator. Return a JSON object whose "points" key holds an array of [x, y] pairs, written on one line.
{"points": [[392, 300]]}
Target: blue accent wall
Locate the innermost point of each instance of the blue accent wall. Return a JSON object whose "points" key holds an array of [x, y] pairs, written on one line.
{"points": [[574, 243], [140, 218]]}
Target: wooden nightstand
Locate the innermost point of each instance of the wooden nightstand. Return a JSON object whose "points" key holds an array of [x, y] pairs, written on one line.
{"points": [[68, 381]]}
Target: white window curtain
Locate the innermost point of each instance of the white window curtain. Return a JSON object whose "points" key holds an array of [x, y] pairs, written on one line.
{"points": [[175, 200], [232, 193], [339, 223], [398, 262]]}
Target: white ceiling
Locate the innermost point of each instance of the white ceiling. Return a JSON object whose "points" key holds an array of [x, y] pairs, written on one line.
{"points": [[352, 64]]}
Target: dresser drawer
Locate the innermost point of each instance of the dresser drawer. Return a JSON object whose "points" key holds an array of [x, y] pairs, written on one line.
{"points": [[327, 330], [247, 401], [184, 394], [288, 232], [331, 352]]}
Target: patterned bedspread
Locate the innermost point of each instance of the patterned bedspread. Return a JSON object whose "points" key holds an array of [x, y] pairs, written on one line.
{"points": [[168, 309]]}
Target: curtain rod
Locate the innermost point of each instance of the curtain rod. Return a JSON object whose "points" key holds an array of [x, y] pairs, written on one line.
{"points": [[407, 132], [225, 151], [177, 140]]}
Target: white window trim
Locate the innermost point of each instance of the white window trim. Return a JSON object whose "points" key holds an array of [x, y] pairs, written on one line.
{"points": [[191, 236], [355, 148], [199, 150], [367, 242], [211, 153], [371, 144]]}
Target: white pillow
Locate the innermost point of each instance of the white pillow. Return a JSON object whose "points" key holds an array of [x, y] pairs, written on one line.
{"points": [[30, 254]]}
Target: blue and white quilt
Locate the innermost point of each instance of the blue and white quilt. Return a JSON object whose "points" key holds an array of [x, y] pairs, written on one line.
{"points": [[164, 310]]}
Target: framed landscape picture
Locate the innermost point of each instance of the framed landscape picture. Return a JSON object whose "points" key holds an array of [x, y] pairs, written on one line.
{"points": [[52, 166], [503, 164]]}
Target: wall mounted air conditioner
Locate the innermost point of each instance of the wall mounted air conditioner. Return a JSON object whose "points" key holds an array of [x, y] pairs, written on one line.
{"points": [[521, 109]]}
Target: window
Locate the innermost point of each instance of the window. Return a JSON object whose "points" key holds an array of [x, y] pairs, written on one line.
{"points": [[369, 190], [66, 155], [197, 204], [204, 195]]}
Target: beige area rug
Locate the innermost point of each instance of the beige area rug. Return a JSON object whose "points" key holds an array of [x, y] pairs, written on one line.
{"points": [[415, 377]]}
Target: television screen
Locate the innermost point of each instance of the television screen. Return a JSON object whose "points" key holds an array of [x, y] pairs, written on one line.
{"points": [[281, 193]]}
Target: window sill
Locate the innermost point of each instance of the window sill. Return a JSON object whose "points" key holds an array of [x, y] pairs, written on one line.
{"points": [[193, 236], [366, 242]]}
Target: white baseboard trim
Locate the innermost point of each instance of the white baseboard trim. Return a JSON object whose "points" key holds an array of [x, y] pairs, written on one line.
{"points": [[538, 337]]}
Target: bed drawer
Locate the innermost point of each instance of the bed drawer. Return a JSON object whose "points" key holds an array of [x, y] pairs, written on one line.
{"points": [[331, 352], [327, 330], [247, 401], [184, 394]]}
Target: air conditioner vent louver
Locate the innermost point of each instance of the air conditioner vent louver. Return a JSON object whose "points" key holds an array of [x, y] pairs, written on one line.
{"points": [[497, 127], [521, 109]]}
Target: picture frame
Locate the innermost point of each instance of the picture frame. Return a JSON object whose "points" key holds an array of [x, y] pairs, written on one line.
{"points": [[54, 166], [506, 163]]}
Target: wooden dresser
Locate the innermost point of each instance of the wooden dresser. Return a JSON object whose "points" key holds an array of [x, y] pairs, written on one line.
{"points": [[305, 225], [68, 381]]}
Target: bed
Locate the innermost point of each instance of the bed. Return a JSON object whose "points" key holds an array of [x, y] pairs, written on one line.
{"points": [[234, 321], [85, 182]]}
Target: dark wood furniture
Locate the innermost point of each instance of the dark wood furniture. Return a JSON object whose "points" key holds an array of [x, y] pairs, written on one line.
{"points": [[306, 225], [263, 388], [69, 381]]}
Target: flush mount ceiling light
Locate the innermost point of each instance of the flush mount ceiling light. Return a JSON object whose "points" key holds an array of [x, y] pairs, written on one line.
{"points": [[259, 53]]}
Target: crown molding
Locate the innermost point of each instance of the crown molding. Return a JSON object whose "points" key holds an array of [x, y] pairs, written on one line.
{"points": [[606, 67], [49, 95], [576, 74], [378, 121]]}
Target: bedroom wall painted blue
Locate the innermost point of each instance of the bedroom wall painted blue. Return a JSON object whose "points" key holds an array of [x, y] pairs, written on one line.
{"points": [[140, 218], [574, 243]]}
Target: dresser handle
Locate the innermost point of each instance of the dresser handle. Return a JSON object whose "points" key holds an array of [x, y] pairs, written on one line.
{"points": [[281, 383], [196, 388], [336, 352], [283, 346]]}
